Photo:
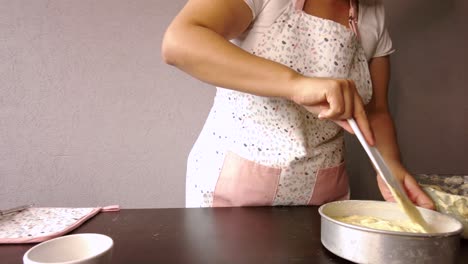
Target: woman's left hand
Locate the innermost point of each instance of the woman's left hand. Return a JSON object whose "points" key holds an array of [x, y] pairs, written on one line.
{"points": [[412, 188]]}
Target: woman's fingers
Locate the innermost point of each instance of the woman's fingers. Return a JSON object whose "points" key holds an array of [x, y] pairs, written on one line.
{"points": [[336, 100], [344, 102], [412, 188], [416, 194], [349, 95], [340, 96], [345, 125]]}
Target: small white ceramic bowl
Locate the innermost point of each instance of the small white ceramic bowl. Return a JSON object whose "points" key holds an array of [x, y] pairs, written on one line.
{"points": [[72, 249]]}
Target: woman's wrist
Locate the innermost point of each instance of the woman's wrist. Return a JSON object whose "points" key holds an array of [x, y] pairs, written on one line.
{"points": [[301, 92], [290, 85], [396, 167]]}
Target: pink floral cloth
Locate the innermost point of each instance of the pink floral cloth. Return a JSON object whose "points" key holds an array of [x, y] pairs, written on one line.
{"points": [[39, 224]]}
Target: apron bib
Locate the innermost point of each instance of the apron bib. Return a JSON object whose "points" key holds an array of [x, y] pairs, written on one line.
{"points": [[260, 151]]}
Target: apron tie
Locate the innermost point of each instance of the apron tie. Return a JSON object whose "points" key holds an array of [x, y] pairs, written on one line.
{"points": [[299, 4], [353, 17]]}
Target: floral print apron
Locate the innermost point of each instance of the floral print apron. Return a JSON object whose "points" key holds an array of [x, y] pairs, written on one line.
{"points": [[260, 151]]}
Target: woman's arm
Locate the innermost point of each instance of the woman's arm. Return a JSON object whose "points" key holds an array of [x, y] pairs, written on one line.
{"points": [[197, 43], [385, 136]]}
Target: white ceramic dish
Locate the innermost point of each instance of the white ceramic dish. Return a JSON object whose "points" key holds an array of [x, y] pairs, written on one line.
{"points": [[72, 249]]}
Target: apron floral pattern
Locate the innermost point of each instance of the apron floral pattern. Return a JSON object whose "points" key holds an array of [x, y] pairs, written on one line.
{"points": [[257, 150]]}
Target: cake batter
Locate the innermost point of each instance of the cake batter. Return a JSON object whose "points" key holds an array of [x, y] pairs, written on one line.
{"points": [[382, 224]]}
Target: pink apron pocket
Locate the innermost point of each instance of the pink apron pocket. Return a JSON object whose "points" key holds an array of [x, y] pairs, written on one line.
{"points": [[331, 185], [245, 183]]}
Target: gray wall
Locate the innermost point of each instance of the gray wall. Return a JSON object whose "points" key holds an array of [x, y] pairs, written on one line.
{"points": [[89, 115], [428, 90]]}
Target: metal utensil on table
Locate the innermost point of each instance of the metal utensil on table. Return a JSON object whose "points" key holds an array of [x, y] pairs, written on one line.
{"points": [[388, 177]]}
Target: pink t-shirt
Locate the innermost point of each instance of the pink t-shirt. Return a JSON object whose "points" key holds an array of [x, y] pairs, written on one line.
{"points": [[371, 23]]}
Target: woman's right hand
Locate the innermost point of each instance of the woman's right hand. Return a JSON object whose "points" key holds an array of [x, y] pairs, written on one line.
{"points": [[333, 99]]}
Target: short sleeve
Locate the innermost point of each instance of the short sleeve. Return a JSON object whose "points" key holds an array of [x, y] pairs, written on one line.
{"points": [[256, 6], [384, 42]]}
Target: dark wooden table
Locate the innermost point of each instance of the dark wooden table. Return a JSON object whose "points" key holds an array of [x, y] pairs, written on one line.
{"points": [[221, 235]]}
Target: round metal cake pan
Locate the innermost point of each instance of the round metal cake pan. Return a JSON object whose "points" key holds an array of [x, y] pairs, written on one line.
{"points": [[367, 245]]}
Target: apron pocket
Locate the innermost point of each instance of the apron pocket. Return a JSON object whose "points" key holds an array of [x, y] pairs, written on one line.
{"points": [[331, 185], [245, 183]]}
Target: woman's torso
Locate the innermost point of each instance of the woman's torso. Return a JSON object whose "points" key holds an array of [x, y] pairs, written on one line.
{"points": [[278, 148]]}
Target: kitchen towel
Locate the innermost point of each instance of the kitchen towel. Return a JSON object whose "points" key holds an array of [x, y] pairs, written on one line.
{"points": [[38, 224]]}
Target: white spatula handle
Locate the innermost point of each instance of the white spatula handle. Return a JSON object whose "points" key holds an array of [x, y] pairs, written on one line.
{"points": [[387, 175]]}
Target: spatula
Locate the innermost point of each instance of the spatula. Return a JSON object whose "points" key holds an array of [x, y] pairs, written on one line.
{"points": [[394, 185]]}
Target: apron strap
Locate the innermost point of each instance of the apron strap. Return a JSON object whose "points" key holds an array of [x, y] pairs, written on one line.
{"points": [[299, 4], [353, 14], [353, 17]]}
